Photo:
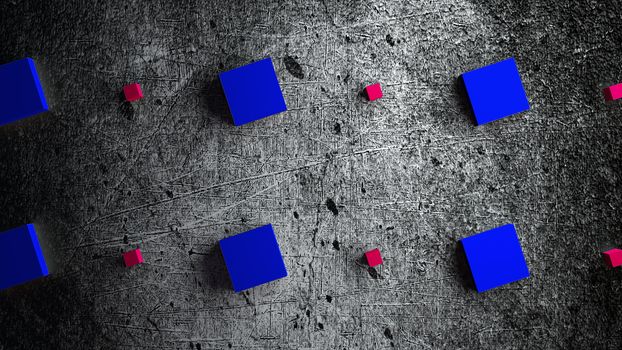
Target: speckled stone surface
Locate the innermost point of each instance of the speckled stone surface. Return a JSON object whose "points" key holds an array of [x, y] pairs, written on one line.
{"points": [[336, 175]]}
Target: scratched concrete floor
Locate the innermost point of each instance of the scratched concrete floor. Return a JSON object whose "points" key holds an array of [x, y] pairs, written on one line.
{"points": [[335, 175]]}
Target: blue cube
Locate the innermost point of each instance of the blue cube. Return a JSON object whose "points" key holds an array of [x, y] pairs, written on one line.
{"points": [[21, 94], [253, 258], [21, 259], [495, 91], [495, 257], [253, 92]]}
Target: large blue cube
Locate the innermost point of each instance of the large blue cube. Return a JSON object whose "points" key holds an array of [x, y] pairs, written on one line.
{"points": [[21, 94], [495, 257], [253, 92], [495, 91], [21, 259], [253, 258]]}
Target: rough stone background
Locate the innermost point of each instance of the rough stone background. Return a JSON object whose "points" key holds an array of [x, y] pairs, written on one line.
{"points": [[335, 175]]}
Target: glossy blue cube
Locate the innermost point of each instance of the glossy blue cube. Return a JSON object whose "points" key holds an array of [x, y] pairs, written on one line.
{"points": [[495, 257], [21, 94], [253, 92], [495, 91], [253, 258], [21, 259]]}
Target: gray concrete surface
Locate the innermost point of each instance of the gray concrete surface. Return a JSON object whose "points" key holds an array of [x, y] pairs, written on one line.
{"points": [[335, 175]]}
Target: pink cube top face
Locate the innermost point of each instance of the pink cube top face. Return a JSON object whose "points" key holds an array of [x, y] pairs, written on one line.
{"points": [[374, 91], [373, 257], [613, 257], [133, 92], [613, 92], [133, 257]]}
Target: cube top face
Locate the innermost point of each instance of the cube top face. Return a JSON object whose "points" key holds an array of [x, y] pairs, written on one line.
{"points": [[495, 257], [21, 94], [253, 258], [613, 257], [374, 91], [21, 258], [133, 257], [373, 257], [132, 92], [252, 92], [613, 92], [495, 91]]}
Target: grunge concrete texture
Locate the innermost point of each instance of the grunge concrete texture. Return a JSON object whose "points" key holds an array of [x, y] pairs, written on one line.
{"points": [[336, 175]]}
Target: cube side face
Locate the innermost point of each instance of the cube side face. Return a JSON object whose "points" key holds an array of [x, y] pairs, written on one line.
{"points": [[607, 94], [253, 92], [253, 258], [21, 258], [495, 91], [374, 258], [21, 94], [374, 92], [43, 104], [607, 258], [495, 257], [139, 256], [43, 269]]}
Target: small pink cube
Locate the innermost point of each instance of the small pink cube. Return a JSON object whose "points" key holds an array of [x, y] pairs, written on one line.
{"points": [[613, 257], [133, 257], [373, 257], [613, 92], [133, 92], [374, 91]]}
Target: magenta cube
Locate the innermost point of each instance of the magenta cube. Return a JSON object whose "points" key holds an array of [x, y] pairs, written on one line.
{"points": [[613, 92], [613, 257], [133, 257], [133, 92], [374, 91], [373, 257]]}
